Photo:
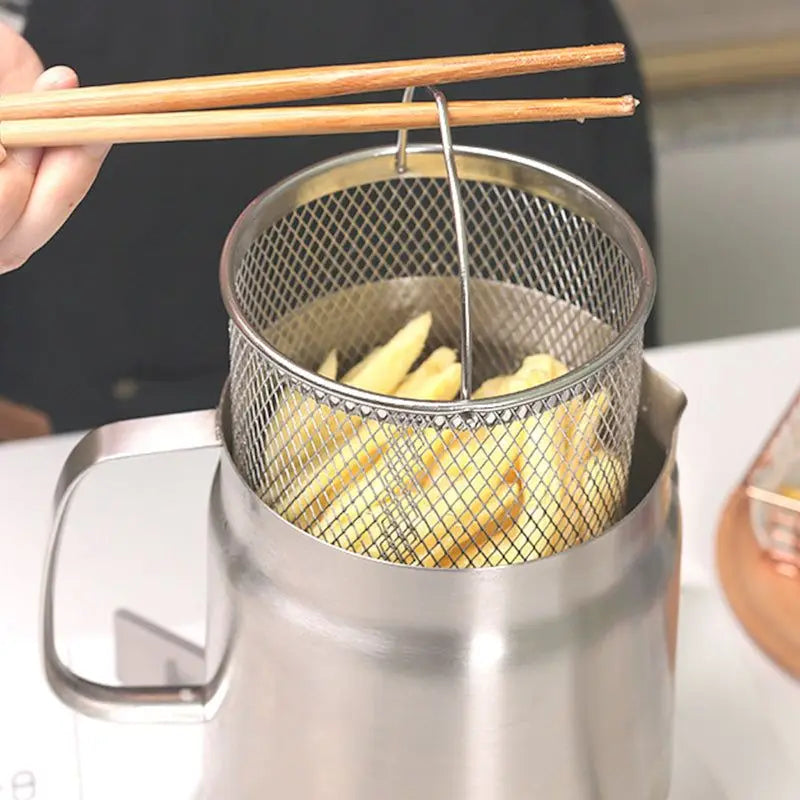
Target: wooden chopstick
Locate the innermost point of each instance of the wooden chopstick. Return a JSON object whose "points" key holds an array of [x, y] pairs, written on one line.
{"points": [[225, 91], [298, 121]]}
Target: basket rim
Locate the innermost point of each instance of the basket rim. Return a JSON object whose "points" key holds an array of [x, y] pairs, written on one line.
{"points": [[579, 375]]}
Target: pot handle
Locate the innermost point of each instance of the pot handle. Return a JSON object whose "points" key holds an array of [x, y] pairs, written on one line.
{"points": [[191, 430]]}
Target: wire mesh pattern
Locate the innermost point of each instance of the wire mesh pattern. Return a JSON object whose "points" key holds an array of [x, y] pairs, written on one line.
{"points": [[456, 486]]}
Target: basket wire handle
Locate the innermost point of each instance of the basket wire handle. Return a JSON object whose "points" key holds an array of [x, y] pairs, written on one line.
{"points": [[460, 225]]}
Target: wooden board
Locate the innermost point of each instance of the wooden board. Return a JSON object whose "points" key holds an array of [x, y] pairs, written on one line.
{"points": [[766, 602]]}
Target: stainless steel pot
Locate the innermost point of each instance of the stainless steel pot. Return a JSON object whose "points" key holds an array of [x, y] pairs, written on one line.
{"points": [[332, 675]]}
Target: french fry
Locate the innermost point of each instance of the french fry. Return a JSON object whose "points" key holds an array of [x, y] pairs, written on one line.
{"points": [[556, 447], [469, 494], [426, 526], [534, 371], [381, 372], [493, 387], [353, 460], [357, 511], [384, 370], [544, 451], [592, 505], [554, 459], [355, 371], [293, 408], [587, 506], [370, 484], [604, 487], [541, 447], [308, 431], [589, 417], [329, 366], [440, 387], [489, 547], [571, 446], [415, 385], [364, 501], [323, 479], [543, 362], [447, 499], [470, 511]]}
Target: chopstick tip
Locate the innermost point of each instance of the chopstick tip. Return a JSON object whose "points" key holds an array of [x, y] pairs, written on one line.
{"points": [[620, 52], [629, 104]]}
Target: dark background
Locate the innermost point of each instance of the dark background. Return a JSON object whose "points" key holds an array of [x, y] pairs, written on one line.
{"points": [[120, 314]]}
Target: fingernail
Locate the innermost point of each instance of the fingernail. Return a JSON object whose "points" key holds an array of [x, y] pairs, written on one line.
{"points": [[56, 78]]}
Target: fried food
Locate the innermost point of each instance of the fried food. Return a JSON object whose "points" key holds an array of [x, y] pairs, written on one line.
{"points": [[507, 493]]}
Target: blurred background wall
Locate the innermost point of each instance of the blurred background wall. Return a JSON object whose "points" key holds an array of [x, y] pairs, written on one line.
{"points": [[724, 78]]}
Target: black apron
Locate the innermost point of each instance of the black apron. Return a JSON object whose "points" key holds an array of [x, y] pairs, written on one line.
{"points": [[120, 315]]}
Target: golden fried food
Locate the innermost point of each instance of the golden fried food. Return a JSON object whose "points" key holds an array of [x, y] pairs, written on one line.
{"points": [[444, 498]]}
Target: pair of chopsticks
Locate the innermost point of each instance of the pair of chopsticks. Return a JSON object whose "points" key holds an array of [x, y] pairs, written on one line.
{"points": [[178, 109]]}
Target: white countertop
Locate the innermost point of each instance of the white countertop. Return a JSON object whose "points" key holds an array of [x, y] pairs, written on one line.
{"points": [[738, 717]]}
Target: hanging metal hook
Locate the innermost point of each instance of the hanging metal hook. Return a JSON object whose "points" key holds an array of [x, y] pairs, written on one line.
{"points": [[401, 165]]}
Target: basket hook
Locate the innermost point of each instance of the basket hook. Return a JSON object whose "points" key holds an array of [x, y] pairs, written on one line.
{"points": [[460, 225]]}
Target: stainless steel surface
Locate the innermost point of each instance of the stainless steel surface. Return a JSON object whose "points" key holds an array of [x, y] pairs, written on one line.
{"points": [[131, 438], [343, 254], [353, 678], [335, 675]]}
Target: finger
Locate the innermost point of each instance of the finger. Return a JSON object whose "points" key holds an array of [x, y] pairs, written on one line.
{"points": [[18, 167], [53, 78], [22, 422], [16, 182], [64, 177]]}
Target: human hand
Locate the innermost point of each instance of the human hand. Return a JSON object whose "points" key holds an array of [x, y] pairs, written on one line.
{"points": [[38, 189], [22, 422]]}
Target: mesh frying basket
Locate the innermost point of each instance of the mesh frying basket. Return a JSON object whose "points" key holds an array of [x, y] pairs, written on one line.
{"points": [[343, 255]]}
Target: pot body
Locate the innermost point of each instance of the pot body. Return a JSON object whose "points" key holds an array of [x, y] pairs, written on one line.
{"points": [[344, 677]]}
